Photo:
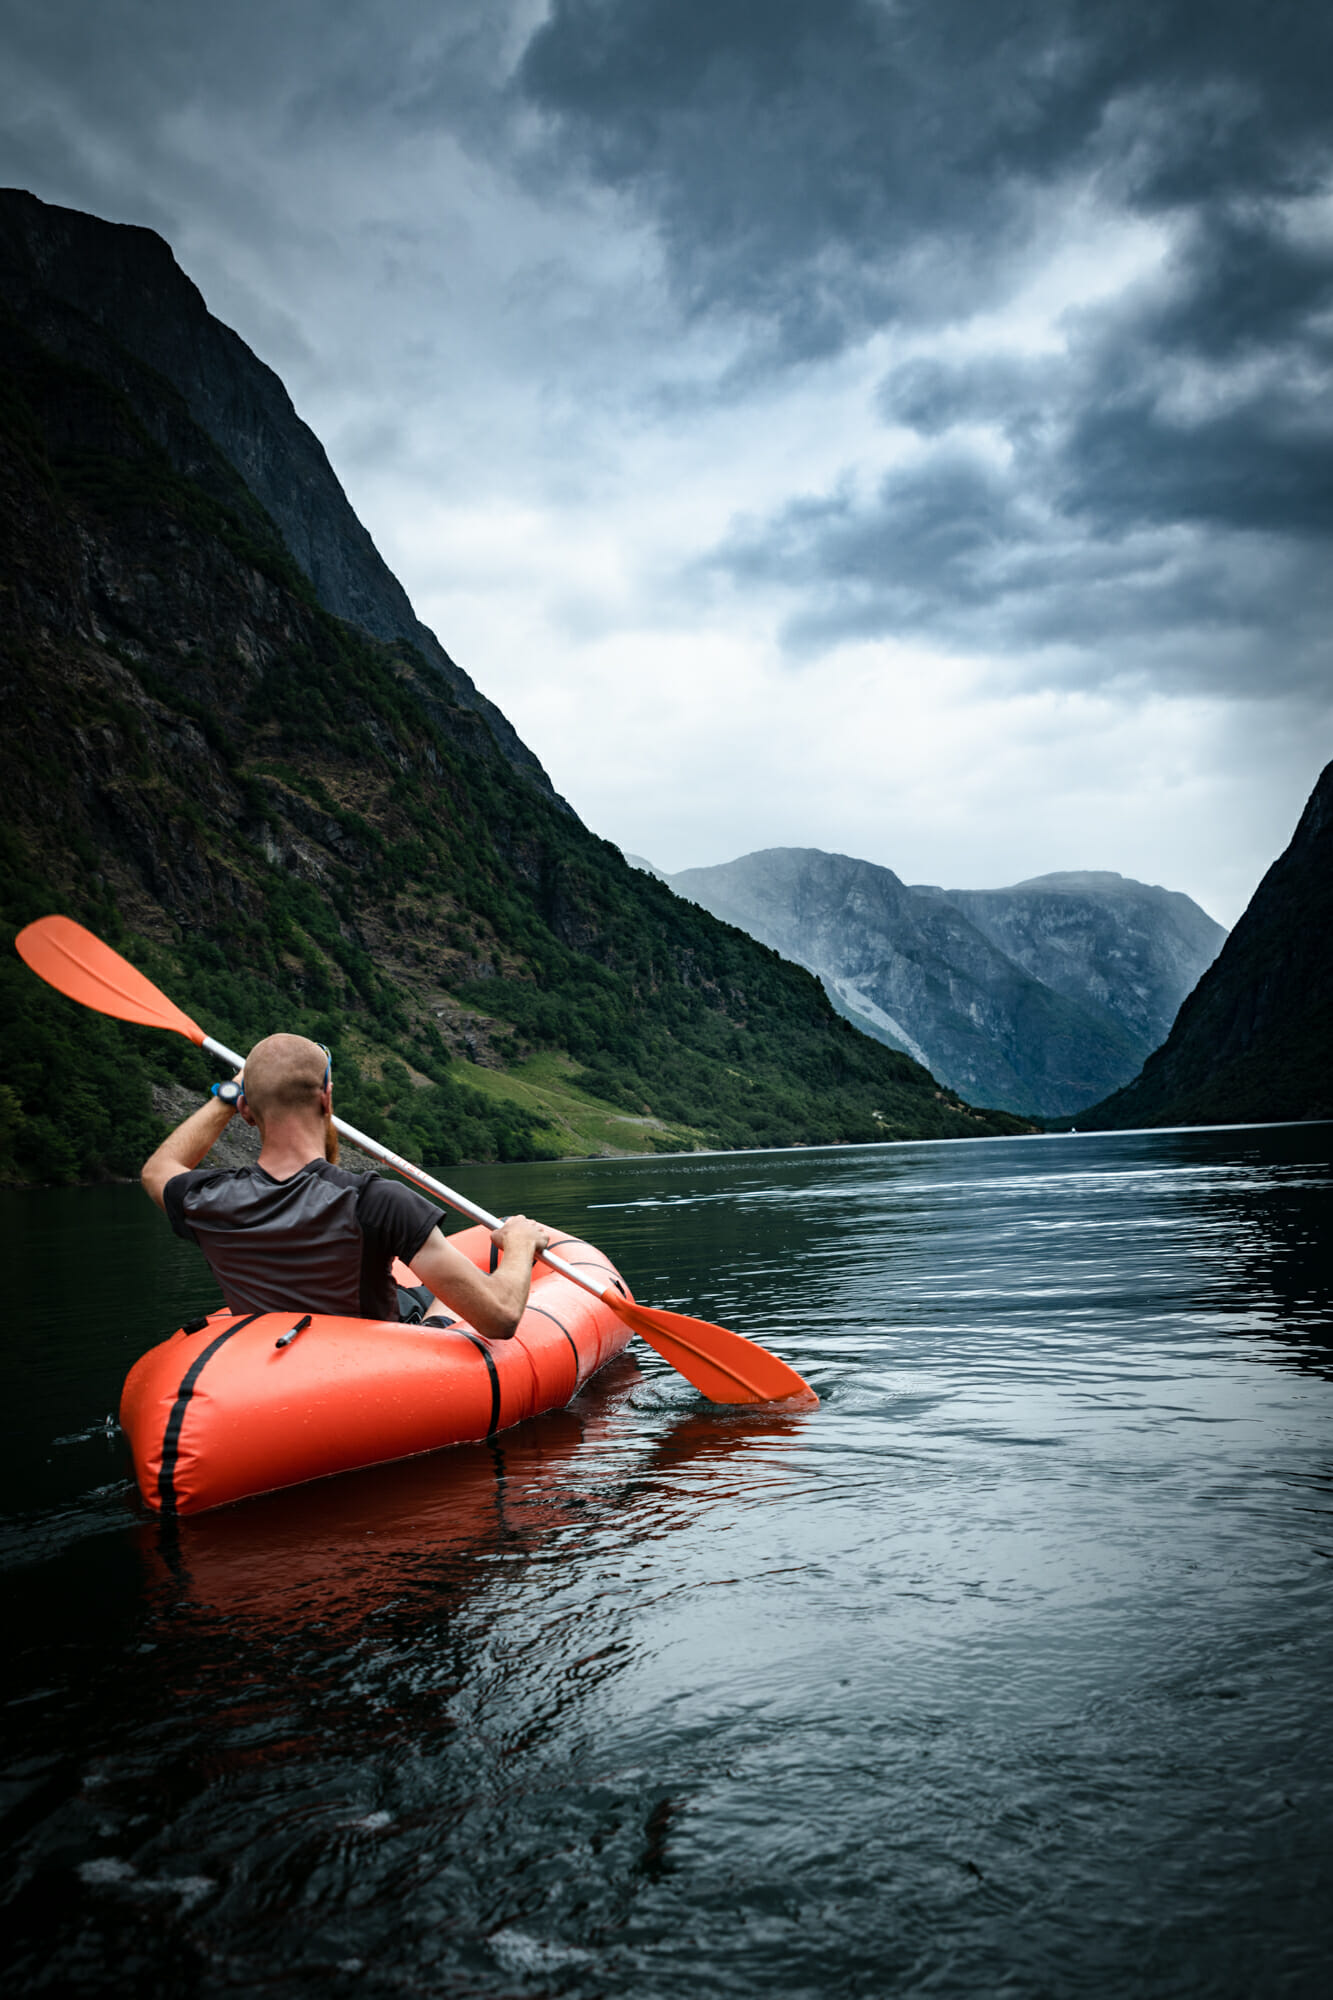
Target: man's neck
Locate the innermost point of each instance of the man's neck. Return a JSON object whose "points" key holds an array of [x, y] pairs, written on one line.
{"points": [[289, 1147]]}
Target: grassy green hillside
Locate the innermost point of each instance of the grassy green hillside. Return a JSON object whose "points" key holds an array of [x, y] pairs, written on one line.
{"points": [[289, 824]]}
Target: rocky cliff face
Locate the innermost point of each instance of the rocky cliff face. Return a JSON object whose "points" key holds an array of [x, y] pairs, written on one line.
{"points": [[71, 277], [1133, 950], [1254, 1040], [1026, 997]]}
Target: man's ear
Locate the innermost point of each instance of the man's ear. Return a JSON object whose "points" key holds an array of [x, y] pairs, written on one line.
{"points": [[247, 1114]]}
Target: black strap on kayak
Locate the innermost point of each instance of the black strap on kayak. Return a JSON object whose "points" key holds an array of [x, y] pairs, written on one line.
{"points": [[166, 1478], [579, 1263], [587, 1264], [564, 1329], [485, 1353]]}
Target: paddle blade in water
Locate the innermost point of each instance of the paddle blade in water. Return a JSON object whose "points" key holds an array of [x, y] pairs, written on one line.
{"points": [[722, 1365], [81, 967]]}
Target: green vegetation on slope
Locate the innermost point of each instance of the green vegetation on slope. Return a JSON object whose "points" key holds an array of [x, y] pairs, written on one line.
{"points": [[287, 823]]}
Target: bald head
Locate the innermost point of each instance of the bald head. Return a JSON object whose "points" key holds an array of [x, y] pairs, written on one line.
{"points": [[284, 1075]]}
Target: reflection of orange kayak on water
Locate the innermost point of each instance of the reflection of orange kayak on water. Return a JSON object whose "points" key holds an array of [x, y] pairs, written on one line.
{"points": [[336, 1552], [235, 1408], [326, 1560]]}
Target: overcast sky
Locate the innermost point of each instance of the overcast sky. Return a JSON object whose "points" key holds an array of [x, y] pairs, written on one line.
{"points": [[894, 426]]}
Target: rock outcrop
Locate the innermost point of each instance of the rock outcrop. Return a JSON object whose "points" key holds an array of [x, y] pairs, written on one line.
{"points": [[1254, 1040], [1133, 950]]}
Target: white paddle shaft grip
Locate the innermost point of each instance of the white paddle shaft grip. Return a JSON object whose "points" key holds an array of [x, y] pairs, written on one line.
{"points": [[421, 1178], [228, 1056]]}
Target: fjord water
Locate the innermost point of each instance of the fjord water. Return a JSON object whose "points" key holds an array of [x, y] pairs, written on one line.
{"points": [[1009, 1670]]}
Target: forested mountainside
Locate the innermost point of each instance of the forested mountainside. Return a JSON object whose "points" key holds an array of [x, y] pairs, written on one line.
{"points": [[71, 278], [287, 821], [1254, 1041], [1034, 998]]}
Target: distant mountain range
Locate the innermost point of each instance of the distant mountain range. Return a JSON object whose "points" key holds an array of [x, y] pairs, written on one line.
{"points": [[1039, 998], [1254, 1040]]}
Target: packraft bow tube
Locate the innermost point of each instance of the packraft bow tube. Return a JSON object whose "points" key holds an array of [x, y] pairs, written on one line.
{"points": [[247, 1403]]}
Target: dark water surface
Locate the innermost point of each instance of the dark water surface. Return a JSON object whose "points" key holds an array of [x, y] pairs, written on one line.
{"points": [[1008, 1671]]}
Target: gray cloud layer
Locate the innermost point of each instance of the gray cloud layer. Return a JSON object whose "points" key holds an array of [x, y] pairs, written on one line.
{"points": [[815, 173], [646, 330], [825, 165], [1166, 489]]}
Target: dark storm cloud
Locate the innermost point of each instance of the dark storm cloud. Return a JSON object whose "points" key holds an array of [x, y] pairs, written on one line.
{"points": [[827, 171], [956, 552], [798, 161], [1165, 482], [1208, 406], [1193, 549], [830, 164]]}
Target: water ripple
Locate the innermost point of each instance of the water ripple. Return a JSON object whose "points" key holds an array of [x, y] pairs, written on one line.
{"points": [[1007, 1670]]}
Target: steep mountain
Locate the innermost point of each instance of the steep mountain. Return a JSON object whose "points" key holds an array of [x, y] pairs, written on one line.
{"points": [[637, 861], [917, 972], [72, 279], [1091, 934], [1254, 1040], [286, 820]]}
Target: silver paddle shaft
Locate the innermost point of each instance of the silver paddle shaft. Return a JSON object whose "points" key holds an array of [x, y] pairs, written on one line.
{"points": [[422, 1178]]}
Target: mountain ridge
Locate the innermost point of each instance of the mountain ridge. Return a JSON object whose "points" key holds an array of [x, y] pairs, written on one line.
{"points": [[125, 280], [1005, 994], [1134, 948], [1254, 1041]]}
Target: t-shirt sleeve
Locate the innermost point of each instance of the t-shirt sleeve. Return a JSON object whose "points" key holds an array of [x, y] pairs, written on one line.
{"points": [[176, 1196], [394, 1218]]}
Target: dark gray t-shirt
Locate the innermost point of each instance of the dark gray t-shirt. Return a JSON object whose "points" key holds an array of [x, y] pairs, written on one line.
{"points": [[322, 1242]]}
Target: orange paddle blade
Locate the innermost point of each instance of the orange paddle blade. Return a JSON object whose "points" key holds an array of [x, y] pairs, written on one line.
{"points": [[81, 967], [722, 1365]]}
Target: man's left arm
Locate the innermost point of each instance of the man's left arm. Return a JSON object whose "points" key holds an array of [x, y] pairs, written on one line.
{"points": [[491, 1301], [184, 1148]]}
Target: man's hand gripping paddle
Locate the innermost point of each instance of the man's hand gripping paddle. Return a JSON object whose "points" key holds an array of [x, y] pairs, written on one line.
{"points": [[722, 1365]]}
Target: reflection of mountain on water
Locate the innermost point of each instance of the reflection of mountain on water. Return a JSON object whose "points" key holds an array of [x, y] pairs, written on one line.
{"points": [[1282, 1277], [1249, 1211]]}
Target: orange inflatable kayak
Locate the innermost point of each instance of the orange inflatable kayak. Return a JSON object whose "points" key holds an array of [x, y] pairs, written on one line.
{"points": [[246, 1404]]}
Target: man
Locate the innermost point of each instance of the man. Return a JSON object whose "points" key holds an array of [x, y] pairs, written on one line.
{"points": [[297, 1232]]}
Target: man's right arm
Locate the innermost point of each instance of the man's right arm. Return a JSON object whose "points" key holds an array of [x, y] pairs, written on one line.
{"points": [[184, 1148]]}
